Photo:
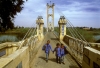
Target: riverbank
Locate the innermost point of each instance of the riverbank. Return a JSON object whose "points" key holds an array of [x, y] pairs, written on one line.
{"points": [[15, 31], [13, 35], [18, 31], [89, 35]]}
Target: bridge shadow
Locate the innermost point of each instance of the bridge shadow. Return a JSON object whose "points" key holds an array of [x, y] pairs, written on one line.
{"points": [[50, 59], [53, 59], [54, 38], [42, 58]]}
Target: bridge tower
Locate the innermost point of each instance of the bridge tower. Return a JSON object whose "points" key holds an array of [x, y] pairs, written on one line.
{"points": [[40, 24], [62, 27], [50, 24]]}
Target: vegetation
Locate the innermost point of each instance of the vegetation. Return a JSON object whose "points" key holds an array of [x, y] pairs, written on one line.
{"points": [[87, 34], [56, 29], [19, 32], [98, 41], [8, 10]]}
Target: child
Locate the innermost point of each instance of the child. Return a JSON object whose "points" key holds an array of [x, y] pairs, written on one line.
{"points": [[58, 53], [47, 47], [63, 52]]}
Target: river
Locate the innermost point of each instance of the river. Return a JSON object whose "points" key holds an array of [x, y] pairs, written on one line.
{"points": [[15, 38], [97, 37], [9, 38]]}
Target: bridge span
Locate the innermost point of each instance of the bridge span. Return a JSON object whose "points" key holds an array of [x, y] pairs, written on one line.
{"points": [[39, 60], [28, 53]]}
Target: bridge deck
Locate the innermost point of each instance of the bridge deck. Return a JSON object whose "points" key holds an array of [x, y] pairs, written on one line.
{"points": [[39, 61]]}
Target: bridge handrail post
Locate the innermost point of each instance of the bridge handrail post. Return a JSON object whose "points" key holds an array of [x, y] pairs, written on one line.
{"points": [[75, 47]]}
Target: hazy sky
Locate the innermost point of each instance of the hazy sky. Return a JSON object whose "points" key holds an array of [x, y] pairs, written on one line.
{"points": [[79, 12]]}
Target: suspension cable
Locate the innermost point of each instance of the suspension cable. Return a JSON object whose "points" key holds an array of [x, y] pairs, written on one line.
{"points": [[71, 32], [34, 31], [79, 34], [75, 30], [30, 31], [69, 24]]}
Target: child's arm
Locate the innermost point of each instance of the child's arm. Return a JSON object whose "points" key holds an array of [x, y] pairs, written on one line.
{"points": [[54, 49], [51, 48], [43, 48]]}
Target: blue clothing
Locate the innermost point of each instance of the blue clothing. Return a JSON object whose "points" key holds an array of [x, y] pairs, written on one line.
{"points": [[47, 48], [58, 51], [58, 59], [62, 51], [62, 58], [47, 56]]}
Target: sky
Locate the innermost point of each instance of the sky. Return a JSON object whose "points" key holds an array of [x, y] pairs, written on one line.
{"points": [[81, 13]]}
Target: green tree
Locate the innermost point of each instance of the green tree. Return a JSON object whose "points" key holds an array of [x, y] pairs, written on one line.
{"points": [[8, 10], [91, 28]]}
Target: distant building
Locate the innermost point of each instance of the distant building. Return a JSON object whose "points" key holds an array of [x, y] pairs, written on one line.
{"points": [[86, 28]]}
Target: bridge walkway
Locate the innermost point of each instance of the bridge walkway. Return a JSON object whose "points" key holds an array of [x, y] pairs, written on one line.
{"points": [[39, 61]]}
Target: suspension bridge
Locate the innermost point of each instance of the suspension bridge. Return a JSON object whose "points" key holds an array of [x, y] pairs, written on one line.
{"points": [[28, 53]]}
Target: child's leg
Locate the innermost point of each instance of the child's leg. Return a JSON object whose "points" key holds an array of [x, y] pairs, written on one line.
{"points": [[46, 56], [59, 59], [63, 59], [56, 58]]}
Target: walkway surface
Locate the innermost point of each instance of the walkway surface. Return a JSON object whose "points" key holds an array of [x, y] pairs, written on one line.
{"points": [[39, 61]]}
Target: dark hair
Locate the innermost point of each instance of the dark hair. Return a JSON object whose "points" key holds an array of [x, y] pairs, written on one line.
{"points": [[48, 40], [61, 44], [57, 44]]}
